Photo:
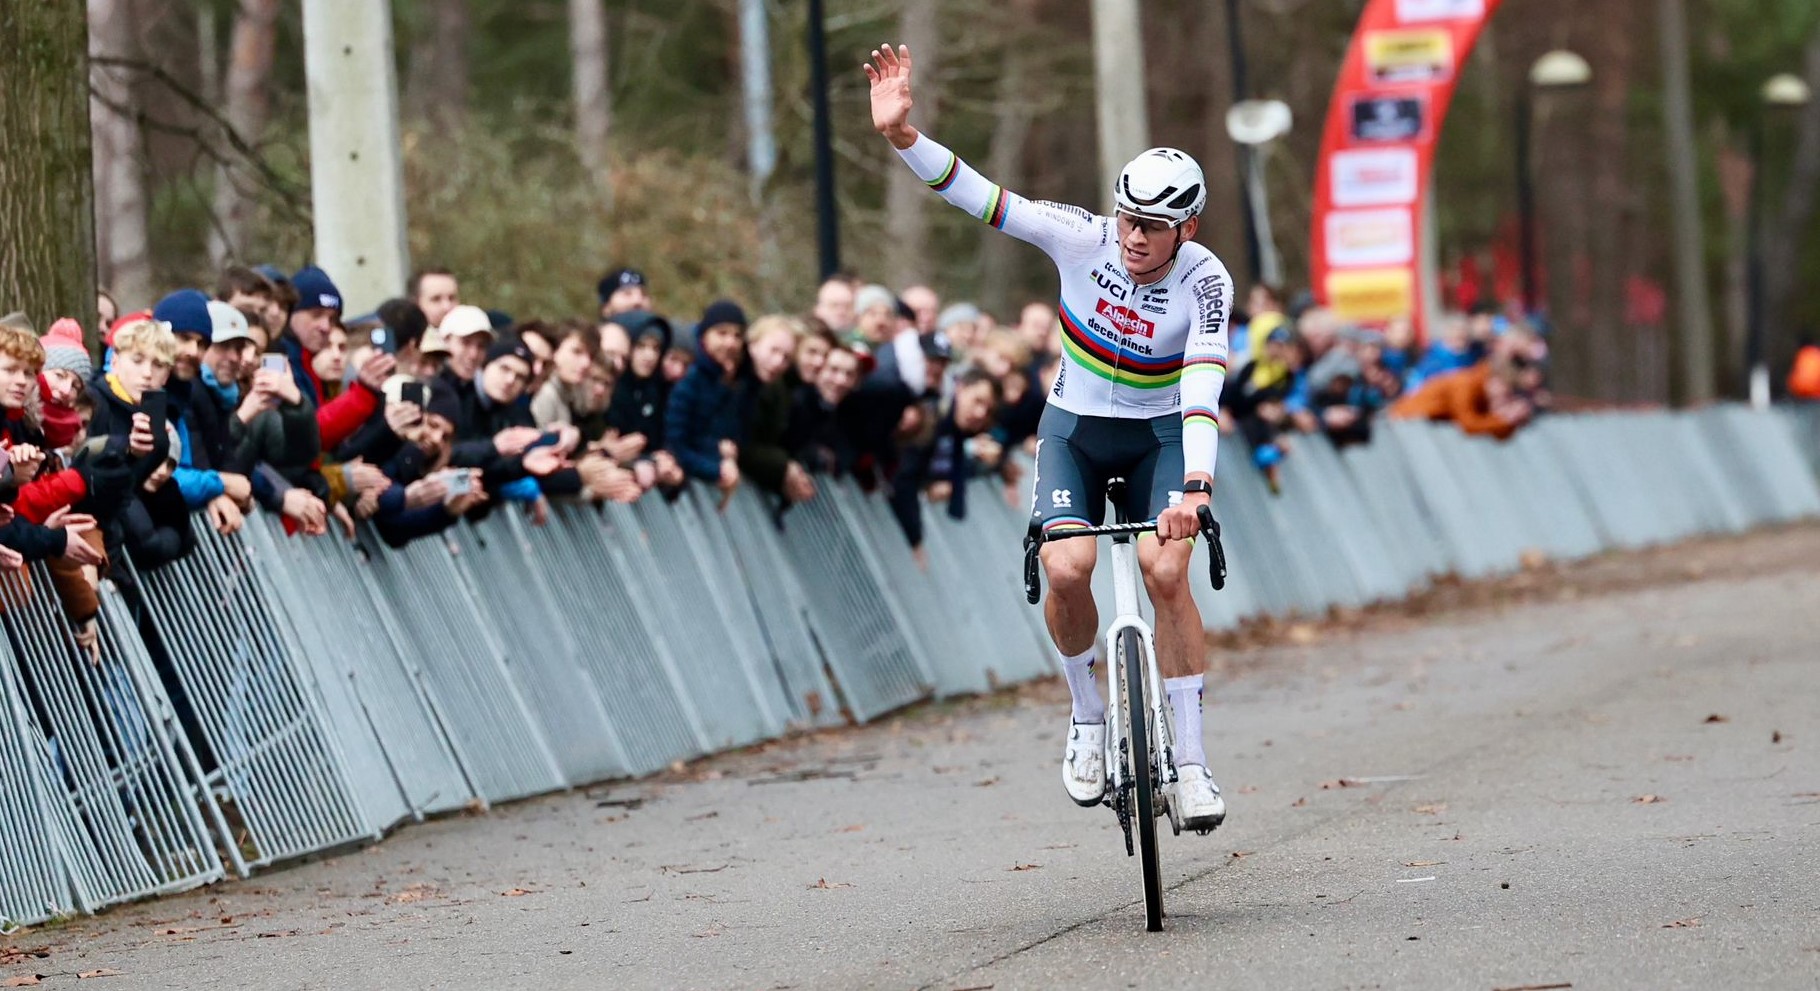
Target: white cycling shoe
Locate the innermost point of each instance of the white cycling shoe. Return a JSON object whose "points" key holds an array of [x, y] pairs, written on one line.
{"points": [[1084, 763], [1197, 799]]}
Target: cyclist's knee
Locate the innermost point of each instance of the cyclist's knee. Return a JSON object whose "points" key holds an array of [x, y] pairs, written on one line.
{"points": [[1069, 565], [1165, 567]]}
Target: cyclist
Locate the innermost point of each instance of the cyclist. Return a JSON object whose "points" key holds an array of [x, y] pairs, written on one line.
{"points": [[1143, 312]]}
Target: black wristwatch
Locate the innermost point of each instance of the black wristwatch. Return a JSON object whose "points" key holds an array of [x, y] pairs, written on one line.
{"points": [[1198, 485]]}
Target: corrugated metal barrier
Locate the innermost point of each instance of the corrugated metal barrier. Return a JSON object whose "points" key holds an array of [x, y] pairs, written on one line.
{"points": [[268, 697]]}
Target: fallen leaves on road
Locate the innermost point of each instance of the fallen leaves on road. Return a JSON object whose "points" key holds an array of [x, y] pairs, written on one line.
{"points": [[1775, 736], [856, 827], [1648, 800], [686, 869], [1340, 783], [103, 972], [10, 955], [1431, 809], [1693, 923], [986, 782], [704, 815], [821, 884], [1298, 803], [414, 893], [22, 981], [1716, 718], [1025, 867], [1247, 790], [1242, 854], [1303, 634], [1423, 863], [517, 893], [1538, 987]]}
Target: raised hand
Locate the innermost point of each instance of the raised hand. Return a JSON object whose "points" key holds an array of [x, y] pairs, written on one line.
{"points": [[889, 74]]}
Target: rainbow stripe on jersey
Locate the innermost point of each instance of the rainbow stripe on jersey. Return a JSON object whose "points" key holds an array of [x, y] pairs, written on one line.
{"points": [[1115, 364]]}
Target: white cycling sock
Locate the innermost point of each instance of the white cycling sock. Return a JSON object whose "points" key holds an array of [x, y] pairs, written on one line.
{"points": [[1088, 706], [1185, 699]]}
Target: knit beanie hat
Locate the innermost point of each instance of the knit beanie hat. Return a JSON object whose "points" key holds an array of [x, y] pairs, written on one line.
{"points": [[63, 348]]}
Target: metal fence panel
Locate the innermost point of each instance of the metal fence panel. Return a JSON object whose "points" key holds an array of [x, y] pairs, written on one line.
{"points": [[1559, 521], [702, 527], [119, 797], [541, 653], [263, 732], [34, 880], [756, 543], [1767, 451], [485, 713], [641, 689], [1804, 427], [376, 698], [717, 674], [855, 621]]}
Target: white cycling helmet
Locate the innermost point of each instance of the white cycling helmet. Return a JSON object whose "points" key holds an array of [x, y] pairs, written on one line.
{"points": [[1162, 184]]}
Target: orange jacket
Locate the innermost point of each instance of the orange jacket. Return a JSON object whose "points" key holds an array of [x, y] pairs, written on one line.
{"points": [[1457, 396], [1804, 378]]}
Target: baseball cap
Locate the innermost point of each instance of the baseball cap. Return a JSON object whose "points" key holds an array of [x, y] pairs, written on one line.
{"points": [[937, 347], [511, 347], [465, 320], [227, 323]]}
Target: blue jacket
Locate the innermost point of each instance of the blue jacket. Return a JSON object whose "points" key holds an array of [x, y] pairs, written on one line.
{"points": [[704, 410]]}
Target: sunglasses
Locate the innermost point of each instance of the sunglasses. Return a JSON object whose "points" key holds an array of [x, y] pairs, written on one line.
{"points": [[1149, 225]]}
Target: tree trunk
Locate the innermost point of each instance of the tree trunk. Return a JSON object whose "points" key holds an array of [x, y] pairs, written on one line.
{"points": [[47, 244], [438, 89], [1012, 114], [248, 104], [1615, 58], [1226, 194], [755, 92], [119, 199], [1121, 116], [906, 198], [593, 99], [1736, 171], [1693, 302], [1785, 228]]}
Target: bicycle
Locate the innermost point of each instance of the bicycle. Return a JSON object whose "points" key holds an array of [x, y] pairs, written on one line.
{"points": [[1139, 713]]}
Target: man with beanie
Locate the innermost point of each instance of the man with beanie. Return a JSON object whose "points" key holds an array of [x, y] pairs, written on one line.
{"points": [[708, 409], [67, 369], [311, 322], [622, 291], [498, 435], [226, 495]]}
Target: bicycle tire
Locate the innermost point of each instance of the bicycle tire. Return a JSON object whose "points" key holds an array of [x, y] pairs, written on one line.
{"points": [[1137, 722]]}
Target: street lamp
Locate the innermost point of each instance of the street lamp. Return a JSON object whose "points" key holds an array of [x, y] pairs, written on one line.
{"points": [[1559, 69], [1254, 124], [1781, 91]]}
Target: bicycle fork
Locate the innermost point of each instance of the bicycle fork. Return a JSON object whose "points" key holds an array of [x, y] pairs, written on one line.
{"points": [[1129, 618]]}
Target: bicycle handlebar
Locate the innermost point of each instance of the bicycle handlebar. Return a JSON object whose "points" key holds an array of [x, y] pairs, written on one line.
{"points": [[1036, 538]]}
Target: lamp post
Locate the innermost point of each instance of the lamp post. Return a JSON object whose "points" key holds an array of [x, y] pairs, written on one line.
{"points": [[1254, 124], [1784, 91], [827, 219], [1559, 69]]}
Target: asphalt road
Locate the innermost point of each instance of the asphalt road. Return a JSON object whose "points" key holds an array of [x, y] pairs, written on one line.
{"points": [[1617, 791]]}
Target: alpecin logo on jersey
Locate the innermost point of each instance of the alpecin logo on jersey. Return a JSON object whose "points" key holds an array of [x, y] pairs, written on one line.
{"points": [[1125, 320]]}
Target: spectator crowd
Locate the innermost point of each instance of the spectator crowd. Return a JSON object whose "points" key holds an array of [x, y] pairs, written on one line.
{"points": [[264, 395]]}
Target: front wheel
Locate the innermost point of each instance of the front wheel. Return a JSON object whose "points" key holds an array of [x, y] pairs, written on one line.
{"points": [[1137, 723]]}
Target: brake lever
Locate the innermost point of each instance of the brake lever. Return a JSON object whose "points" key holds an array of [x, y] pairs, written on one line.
{"points": [[1033, 580], [1216, 554]]}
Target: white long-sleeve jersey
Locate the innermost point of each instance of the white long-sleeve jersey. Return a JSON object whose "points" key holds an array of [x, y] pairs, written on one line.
{"points": [[1128, 351]]}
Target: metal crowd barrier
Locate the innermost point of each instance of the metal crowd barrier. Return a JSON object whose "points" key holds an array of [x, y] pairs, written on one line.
{"points": [[268, 697]]}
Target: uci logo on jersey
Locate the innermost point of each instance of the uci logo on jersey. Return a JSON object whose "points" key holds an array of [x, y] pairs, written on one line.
{"points": [[1115, 290], [1126, 320]]}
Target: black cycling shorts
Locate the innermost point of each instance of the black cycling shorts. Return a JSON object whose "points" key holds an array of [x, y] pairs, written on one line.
{"points": [[1075, 455]]}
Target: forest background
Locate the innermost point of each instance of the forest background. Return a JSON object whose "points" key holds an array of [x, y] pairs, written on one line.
{"points": [[529, 182]]}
